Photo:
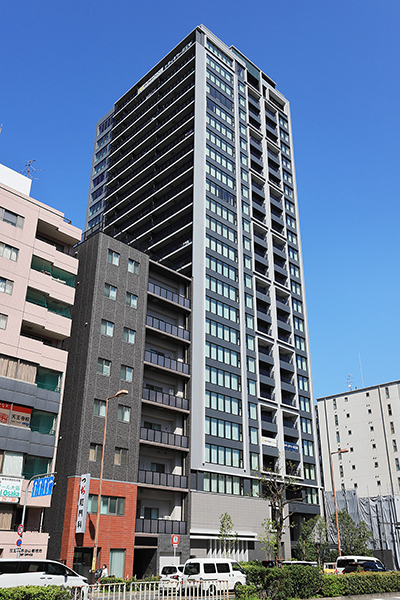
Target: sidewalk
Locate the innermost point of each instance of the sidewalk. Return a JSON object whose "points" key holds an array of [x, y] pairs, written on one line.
{"points": [[363, 597]]}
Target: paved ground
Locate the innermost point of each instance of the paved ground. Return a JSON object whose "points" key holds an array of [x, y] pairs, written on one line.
{"points": [[391, 596]]}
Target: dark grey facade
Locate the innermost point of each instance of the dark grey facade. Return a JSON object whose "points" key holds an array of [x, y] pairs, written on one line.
{"points": [[130, 331]]}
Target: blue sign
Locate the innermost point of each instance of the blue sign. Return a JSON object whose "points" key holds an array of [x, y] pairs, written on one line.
{"points": [[42, 486]]}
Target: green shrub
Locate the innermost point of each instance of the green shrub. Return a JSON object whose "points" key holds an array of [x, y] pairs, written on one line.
{"points": [[278, 584], [306, 581], [111, 580], [246, 592], [255, 574], [32, 592], [332, 585]]}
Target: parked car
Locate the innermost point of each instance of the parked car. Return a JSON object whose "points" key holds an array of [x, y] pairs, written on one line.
{"points": [[15, 572], [213, 574], [329, 567], [343, 561], [171, 576], [368, 565]]}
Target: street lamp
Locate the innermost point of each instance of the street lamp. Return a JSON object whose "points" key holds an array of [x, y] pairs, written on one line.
{"points": [[96, 535], [334, 498]]}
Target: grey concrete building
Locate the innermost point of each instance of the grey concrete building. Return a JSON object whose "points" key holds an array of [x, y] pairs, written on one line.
{"points": [[194, 166]]}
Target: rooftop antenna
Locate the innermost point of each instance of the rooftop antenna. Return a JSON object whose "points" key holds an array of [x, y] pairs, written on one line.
{"points": [[362, 378], [350, 382], [28, 168]]}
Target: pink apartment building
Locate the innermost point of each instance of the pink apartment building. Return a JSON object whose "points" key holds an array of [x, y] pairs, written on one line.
{"points": [[37, 289]]}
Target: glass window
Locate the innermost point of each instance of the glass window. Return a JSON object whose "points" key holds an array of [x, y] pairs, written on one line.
{"points": [[252, 411], [120, 456], [131, 300], [253, 435], [12, 218], [126, 373], [305, 404], [107, 328], [104, 366], [299, 342], [129, 335], [6, 286], [99, 408], [124, 413], [3, 321], [133, 266], [113, 257], [110, 291], [95, 452], [394, 445], [8, 252], [301, 363]]}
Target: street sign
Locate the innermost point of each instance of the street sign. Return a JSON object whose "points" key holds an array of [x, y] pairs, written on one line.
{"points": [[175, 540], [42, 486], [20, 529], [19, 542]]}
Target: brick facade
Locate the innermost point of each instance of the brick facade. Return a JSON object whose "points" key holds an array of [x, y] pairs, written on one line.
{"points": [[114, 532]]}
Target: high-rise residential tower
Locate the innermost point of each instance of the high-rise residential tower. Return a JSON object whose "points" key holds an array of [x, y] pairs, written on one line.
{"points": [[194, 166]]}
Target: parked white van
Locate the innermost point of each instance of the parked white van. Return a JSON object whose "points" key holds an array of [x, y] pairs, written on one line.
{"points": [[22, 571], [343, 561], [213, 573]]}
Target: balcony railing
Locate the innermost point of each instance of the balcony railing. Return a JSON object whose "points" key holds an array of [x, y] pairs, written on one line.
{"points": [[165, 399], [163, 437], [167, 327], [163, 479], [168, 295], [160, 526], [288, 402], [166, 362]]}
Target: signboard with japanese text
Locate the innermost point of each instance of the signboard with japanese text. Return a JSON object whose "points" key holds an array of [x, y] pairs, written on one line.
{"points": [[4, 412], [10, 489], [12, 414], [83, 500], [20, 416]]}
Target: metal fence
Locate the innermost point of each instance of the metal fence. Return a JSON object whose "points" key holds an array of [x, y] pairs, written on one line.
{"points": [[160, 590]]}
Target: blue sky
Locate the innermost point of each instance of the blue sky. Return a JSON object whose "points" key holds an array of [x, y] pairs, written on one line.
{"points": [[64, 64]]}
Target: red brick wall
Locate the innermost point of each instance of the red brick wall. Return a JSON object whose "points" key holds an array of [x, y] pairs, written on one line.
{"points": [[114, 531]]}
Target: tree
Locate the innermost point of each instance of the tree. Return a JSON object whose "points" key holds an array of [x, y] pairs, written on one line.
{"points": [[280, 490], [354, 539], [313, 543], [226, 535], [268, 539]]}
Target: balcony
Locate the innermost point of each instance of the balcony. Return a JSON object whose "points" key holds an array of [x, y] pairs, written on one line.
{"points": [[160, 526], [165, 362], [175, 402], [46, 267], [164, 438], [167, 328], [157, 290], [163, 479]]}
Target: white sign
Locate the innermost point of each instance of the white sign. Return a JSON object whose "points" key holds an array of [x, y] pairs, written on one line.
{"points": [[10, 489], [80, 526]]}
